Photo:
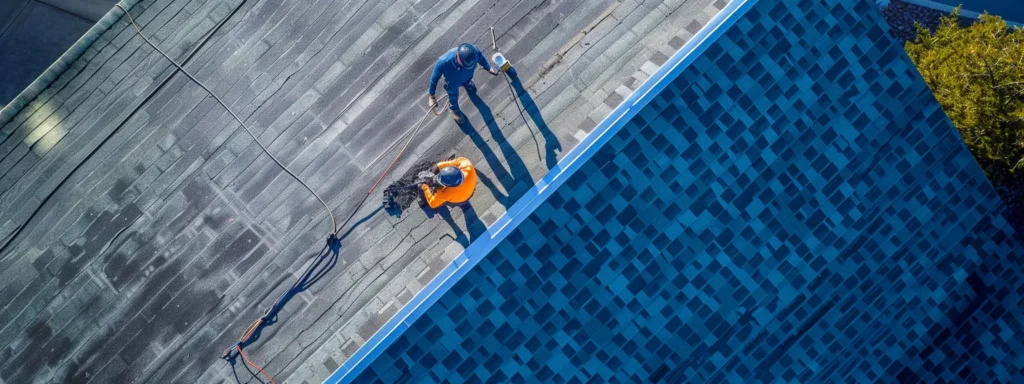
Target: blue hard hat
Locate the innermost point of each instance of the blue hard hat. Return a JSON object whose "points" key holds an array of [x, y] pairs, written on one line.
{"points": [[450, 177], [466, 55]]}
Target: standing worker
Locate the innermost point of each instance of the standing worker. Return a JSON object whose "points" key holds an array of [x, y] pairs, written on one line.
{"points": [[457, 65], [456, 180]]}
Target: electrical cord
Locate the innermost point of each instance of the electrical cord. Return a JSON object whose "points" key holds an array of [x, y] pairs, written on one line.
{"points": [[515, 96], [258, 368], [334, 225], [521, 108], [336, 228], [9, 240]]}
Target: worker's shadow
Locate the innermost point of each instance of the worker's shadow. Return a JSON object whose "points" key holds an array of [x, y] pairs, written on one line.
{"points": [[474, 226], [515, 179]]}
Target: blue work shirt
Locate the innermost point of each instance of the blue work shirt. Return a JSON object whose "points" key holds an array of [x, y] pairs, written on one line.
{"points": [[448, 66]]}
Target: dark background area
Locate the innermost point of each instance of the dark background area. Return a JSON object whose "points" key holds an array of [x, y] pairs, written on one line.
{"points": [[34, 33]]}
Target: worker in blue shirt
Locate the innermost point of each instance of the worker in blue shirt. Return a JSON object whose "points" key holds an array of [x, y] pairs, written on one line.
{"points": [[457, 66]]}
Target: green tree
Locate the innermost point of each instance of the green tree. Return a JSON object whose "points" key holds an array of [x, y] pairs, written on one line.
{"points": [[977, 75]]}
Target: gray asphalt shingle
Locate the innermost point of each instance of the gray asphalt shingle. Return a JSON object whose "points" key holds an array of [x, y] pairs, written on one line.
{"points": [[177, 232]]}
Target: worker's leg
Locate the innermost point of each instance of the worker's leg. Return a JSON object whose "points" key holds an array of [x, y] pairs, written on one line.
{"points": [[453, 103], [470, 86], [422, 199], [453, 97]]}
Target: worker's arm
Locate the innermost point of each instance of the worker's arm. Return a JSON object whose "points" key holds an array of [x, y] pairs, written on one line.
{"points": [[456, 162], [466, 166], [434, 77], [433, 200], [483, 60]]}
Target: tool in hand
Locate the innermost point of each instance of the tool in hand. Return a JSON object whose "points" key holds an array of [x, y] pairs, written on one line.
{"points": [[394, 191]]}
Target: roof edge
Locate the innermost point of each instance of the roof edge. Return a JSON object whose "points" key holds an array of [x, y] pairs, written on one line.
{"points": [[528, 203], [63, 62]]}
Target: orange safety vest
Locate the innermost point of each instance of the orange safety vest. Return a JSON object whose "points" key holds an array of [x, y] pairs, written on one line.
{"points": [[453, 195]]}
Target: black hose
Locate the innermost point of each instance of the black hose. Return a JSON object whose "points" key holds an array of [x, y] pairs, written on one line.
{"points": [[515, 99]]}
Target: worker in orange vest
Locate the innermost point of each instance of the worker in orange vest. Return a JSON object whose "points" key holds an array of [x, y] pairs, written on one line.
{"points": [[456, 180]]}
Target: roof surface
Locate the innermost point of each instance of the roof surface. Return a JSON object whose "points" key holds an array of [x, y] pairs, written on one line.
{"points": [[151, 229], [795, 206]]}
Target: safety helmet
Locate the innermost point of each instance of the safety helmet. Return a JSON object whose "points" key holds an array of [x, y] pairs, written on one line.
{"points": [[450, 177], [466, 56]]}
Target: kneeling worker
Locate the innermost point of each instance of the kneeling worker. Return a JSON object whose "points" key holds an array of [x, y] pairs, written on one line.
{"points": [[456, 180]]}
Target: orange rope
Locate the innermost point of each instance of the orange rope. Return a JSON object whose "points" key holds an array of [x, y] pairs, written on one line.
{"points": [[258, 368], [250, 330], [445, 108], [400, 153]]}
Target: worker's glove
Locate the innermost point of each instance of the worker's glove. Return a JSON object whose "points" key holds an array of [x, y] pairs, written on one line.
{"points": [[494, 72], [431, 101]]}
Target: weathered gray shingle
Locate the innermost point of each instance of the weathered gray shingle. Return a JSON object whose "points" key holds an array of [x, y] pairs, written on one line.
{"points": [[178, 231]]}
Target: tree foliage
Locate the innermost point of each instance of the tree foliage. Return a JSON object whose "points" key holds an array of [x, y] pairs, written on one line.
{"points": [[977, 75]]}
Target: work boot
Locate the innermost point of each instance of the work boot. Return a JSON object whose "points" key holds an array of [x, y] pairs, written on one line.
{"points": [[457, 116], [470, 87]]}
